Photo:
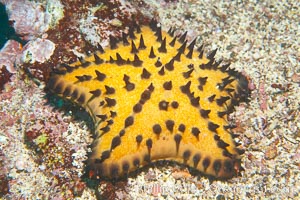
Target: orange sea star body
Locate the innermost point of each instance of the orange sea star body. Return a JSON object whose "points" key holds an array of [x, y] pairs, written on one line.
{"points": [[153, 97]]}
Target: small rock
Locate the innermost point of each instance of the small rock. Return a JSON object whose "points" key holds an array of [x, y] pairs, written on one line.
{"points": [[3, 140], [42, 167], [296, 78], [20, 164], [271, 152], [220, 197], [181, 174], [8, 55], [116, 22], [265, 171], [38, 50], [156, 190]]}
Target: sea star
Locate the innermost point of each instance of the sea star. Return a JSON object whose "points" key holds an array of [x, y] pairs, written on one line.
{"points": [[153, 97]]}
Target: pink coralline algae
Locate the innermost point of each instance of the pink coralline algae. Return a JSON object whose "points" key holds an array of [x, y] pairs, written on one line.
{"points": [[8, 55], [31, 20], [12, 54], [28, 18], [4, 77], [38, 50]]}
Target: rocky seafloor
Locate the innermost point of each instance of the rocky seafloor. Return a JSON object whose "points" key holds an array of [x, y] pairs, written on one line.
{"points": [[44, 140]]}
